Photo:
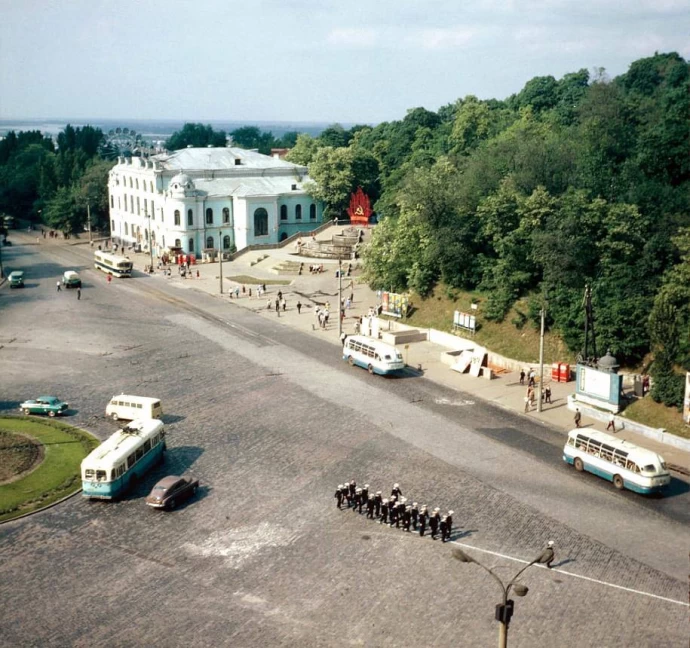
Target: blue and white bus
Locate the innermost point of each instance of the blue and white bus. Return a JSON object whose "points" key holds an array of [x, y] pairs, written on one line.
{"points": [[112, 264], [374, 356], [621, 462], [119, 461]]}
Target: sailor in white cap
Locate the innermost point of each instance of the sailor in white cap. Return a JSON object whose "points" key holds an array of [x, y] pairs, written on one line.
{"points": [[339, 495], [384, 512], [377, 503], [365, 492], [396, 492], [434, 522], [415, 515], [449, 524], [444, 526], [422, 520]]}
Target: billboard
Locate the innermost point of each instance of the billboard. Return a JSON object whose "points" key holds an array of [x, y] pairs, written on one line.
{"points": [[464, 321], [394, 304]]}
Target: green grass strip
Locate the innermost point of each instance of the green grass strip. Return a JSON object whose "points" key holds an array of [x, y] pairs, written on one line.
{"points": [[56, 477]]}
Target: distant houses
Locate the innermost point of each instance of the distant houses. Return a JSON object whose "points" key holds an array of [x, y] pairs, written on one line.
{"points": [[199, 200]]}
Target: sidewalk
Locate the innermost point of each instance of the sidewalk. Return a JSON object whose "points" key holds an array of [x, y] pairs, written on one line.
{"points": [[318, 289]]}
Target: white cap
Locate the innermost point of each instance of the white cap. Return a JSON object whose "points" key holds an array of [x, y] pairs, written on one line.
{"points": [[396, 485], [550, 543], [366, 486], [436, 509], [414, 503]]}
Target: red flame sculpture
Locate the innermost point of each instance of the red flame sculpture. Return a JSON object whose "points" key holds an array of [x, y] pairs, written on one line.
{"points": [[360, 208]]}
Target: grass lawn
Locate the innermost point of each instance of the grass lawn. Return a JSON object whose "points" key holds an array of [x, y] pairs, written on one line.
{"points": [[503, 337], [647, 412], [253, 281], [56, 476]]}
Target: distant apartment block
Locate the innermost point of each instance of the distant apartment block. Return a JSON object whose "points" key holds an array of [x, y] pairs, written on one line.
{"points": [[208, 199]]}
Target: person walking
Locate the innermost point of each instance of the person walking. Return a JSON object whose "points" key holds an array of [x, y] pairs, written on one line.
{"points": [[284, 302], [414, 512], [522, 376], [79, 294], [434, 522], [371, 505], [423, 515], [444, 527], [393, 511], [407, 518], [612, 423], [547, 394], [365, 493], [298, 306], [384, 512], [58, 286], [357, 508], [339, 496], [345, 492], [449, 524], [577, 418], [352, 490], [396, 492], [377, 503]]}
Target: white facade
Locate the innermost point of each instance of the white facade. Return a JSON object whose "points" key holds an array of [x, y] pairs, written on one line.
{"points": [[198, 199]]}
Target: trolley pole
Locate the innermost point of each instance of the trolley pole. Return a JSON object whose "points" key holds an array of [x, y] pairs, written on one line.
{"points": [[220, 258], [541, 355], [340, 298]]}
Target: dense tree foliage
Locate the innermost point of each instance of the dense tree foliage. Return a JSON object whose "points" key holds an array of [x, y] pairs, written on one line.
{"points": [[52, 183], [196, 135]]}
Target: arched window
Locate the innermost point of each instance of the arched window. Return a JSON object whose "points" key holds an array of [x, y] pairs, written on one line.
{"points": [[112, 225], [131, 204], [137, 183], [312, 212], [130, 183], [151, 185], [146, 235], [283, 212], [298, 212], [261, 222], [112, 202], [178, 243], [191, 245], [177, 218], [226, 215], [126, 229], [209, 242], [209, 216], [190, 218], [226, 242]]}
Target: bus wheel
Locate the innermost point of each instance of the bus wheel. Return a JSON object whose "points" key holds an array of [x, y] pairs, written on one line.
{"points": [[26, 411], [115, 418], [351, 361], [579, 466], [51, 413], [370, 369], [618, 482]]}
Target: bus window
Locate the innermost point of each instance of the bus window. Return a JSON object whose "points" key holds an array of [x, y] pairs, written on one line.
{"points": [[88, 474], [100, 474], [147, 445]]}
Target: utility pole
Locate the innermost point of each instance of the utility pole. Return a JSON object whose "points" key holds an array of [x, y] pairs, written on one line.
{"points": [[220, 258], [88, 221], [340, 298], [540, 396]]}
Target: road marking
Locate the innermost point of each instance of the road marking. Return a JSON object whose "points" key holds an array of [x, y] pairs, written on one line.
{"points": [[580, 576]]}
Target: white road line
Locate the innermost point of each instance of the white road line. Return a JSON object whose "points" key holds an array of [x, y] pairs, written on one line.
{"points": [[587, 578]]}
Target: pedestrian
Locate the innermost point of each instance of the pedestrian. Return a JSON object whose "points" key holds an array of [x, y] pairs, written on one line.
{"points": [[400, 507], [258, 292], [365, 493], [250, 292], [396, 492], [110, 278], [58, 286], [280, 295], [321, 320], [78, 294], [548, 555], [263, 286], [345, 492], [422, 520], [348, 303], [326, 313], [449, 524], [414, 511], [284, 302], [358, 501], [393, 511], [384, 512], [298, 305], [577, 418], [531, 382], [522, 376], [371, 505], [244, 290], [278, 307], [339, 496], [377, 503], [434, 521], [444, 527], [407, 518], [343, 338], [526, 403], [269, 303], [353, 489], [547, 394], [237, 292], [612, 423]]}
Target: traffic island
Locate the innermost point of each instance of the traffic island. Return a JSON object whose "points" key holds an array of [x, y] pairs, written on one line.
{"points": [[40, 462]]}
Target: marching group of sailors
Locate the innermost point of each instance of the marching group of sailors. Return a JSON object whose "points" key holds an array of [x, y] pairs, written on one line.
{"points": [[394, 510]]}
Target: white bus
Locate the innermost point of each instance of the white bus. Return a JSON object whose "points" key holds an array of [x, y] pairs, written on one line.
{"points": [[112, 264], [376, 357], [122, 459], [133, 407], [621, 462]]}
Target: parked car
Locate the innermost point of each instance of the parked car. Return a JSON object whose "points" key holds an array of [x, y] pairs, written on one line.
{"points": [[16, 279], [71, 279], [49, 405], [171, 490]]}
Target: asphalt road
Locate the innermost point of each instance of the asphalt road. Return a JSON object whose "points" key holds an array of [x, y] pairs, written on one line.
{"points": [[271, 420]]}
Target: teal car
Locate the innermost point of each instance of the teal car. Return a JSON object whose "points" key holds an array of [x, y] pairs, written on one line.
{"points": [[49, 405]]}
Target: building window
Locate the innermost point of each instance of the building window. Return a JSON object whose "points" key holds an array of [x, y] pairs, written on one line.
{"points": [[126, 229], [119, 204], [209, 242], [130, 183], [178, 243], [209, 216], [261, 222], [177, 219], [226, 242], [153, 210], [112, 225], [151, 185], [138, 207], [131, 204], [283, 212], [137, 183], [190, 218], [112, 202], [226, 215], [146, 207], [298, 212], [312, 212], [191, 245], [163, 240]]}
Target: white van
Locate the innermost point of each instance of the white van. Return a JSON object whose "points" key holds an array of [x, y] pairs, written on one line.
{"points": [[133, 407]]}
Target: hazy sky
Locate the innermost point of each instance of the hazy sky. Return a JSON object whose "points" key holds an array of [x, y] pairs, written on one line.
{"points": [[302, 60]]}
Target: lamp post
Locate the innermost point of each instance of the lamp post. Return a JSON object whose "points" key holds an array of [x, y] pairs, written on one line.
{"points": [[220, 258], [542, 313], [88, 221], [504, 610], [148, 215], [340, 298]]}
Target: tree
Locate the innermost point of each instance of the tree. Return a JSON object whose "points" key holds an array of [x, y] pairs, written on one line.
{"points": [[92, 190], [668, 386], [303, 151], [196, 135], [62, 212]]}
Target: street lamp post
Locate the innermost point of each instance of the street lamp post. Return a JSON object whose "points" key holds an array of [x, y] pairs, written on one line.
{"points": [[340, 298], [541, 355], [504, 610], [220, 258], [88, 221], [148, 215]]}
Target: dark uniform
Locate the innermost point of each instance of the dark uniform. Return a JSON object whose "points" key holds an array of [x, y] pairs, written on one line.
{"points": [[345, 491], [360, 500], [449, 524], [415, 514], [384, 512], [444, 528], [422, 521], [434, 521], [370, 507], [396, 492], [353, 489], [339, 495], [407, 518], [392, 509], [365, 492], [377, 503], [399, 512]]}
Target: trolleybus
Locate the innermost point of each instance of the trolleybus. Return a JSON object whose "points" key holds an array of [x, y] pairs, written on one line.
{"points": [[110, 469], [374, 356], [112, 264], [621, 462]]}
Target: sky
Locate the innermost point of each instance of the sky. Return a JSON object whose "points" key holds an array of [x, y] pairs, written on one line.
{"points": [[346, 61]]}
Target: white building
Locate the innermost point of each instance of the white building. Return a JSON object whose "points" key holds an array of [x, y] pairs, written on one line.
{"points": [[204, 199]]}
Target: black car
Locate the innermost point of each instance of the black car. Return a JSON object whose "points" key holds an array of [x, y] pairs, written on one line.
{"points": [[171, 490]]}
